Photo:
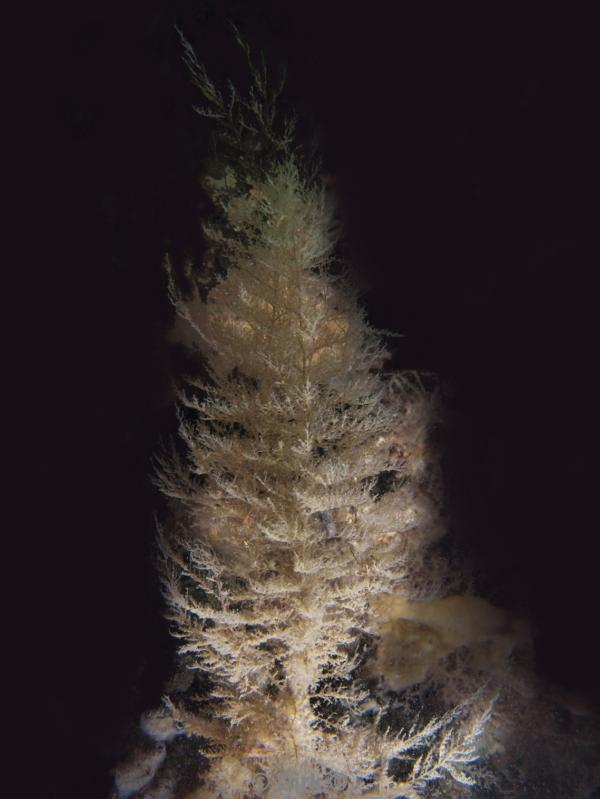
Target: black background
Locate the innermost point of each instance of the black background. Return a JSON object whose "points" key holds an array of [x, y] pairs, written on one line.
{"points": [[463, 148]]}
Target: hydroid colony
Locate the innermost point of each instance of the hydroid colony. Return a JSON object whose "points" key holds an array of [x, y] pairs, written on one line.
{"points": [[327, 651]]}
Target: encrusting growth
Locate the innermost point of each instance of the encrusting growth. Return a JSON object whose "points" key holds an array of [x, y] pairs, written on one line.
{"points": [[298, 564]]}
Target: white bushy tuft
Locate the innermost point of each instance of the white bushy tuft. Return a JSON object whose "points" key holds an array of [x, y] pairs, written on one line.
{"points": [[300, 563]]}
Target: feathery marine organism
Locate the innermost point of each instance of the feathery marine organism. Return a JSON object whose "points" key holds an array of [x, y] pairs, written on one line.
{"points": [[326, 651]]}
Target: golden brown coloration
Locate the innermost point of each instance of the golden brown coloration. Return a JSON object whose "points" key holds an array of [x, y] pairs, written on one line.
{"points": [[283, 546]]}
